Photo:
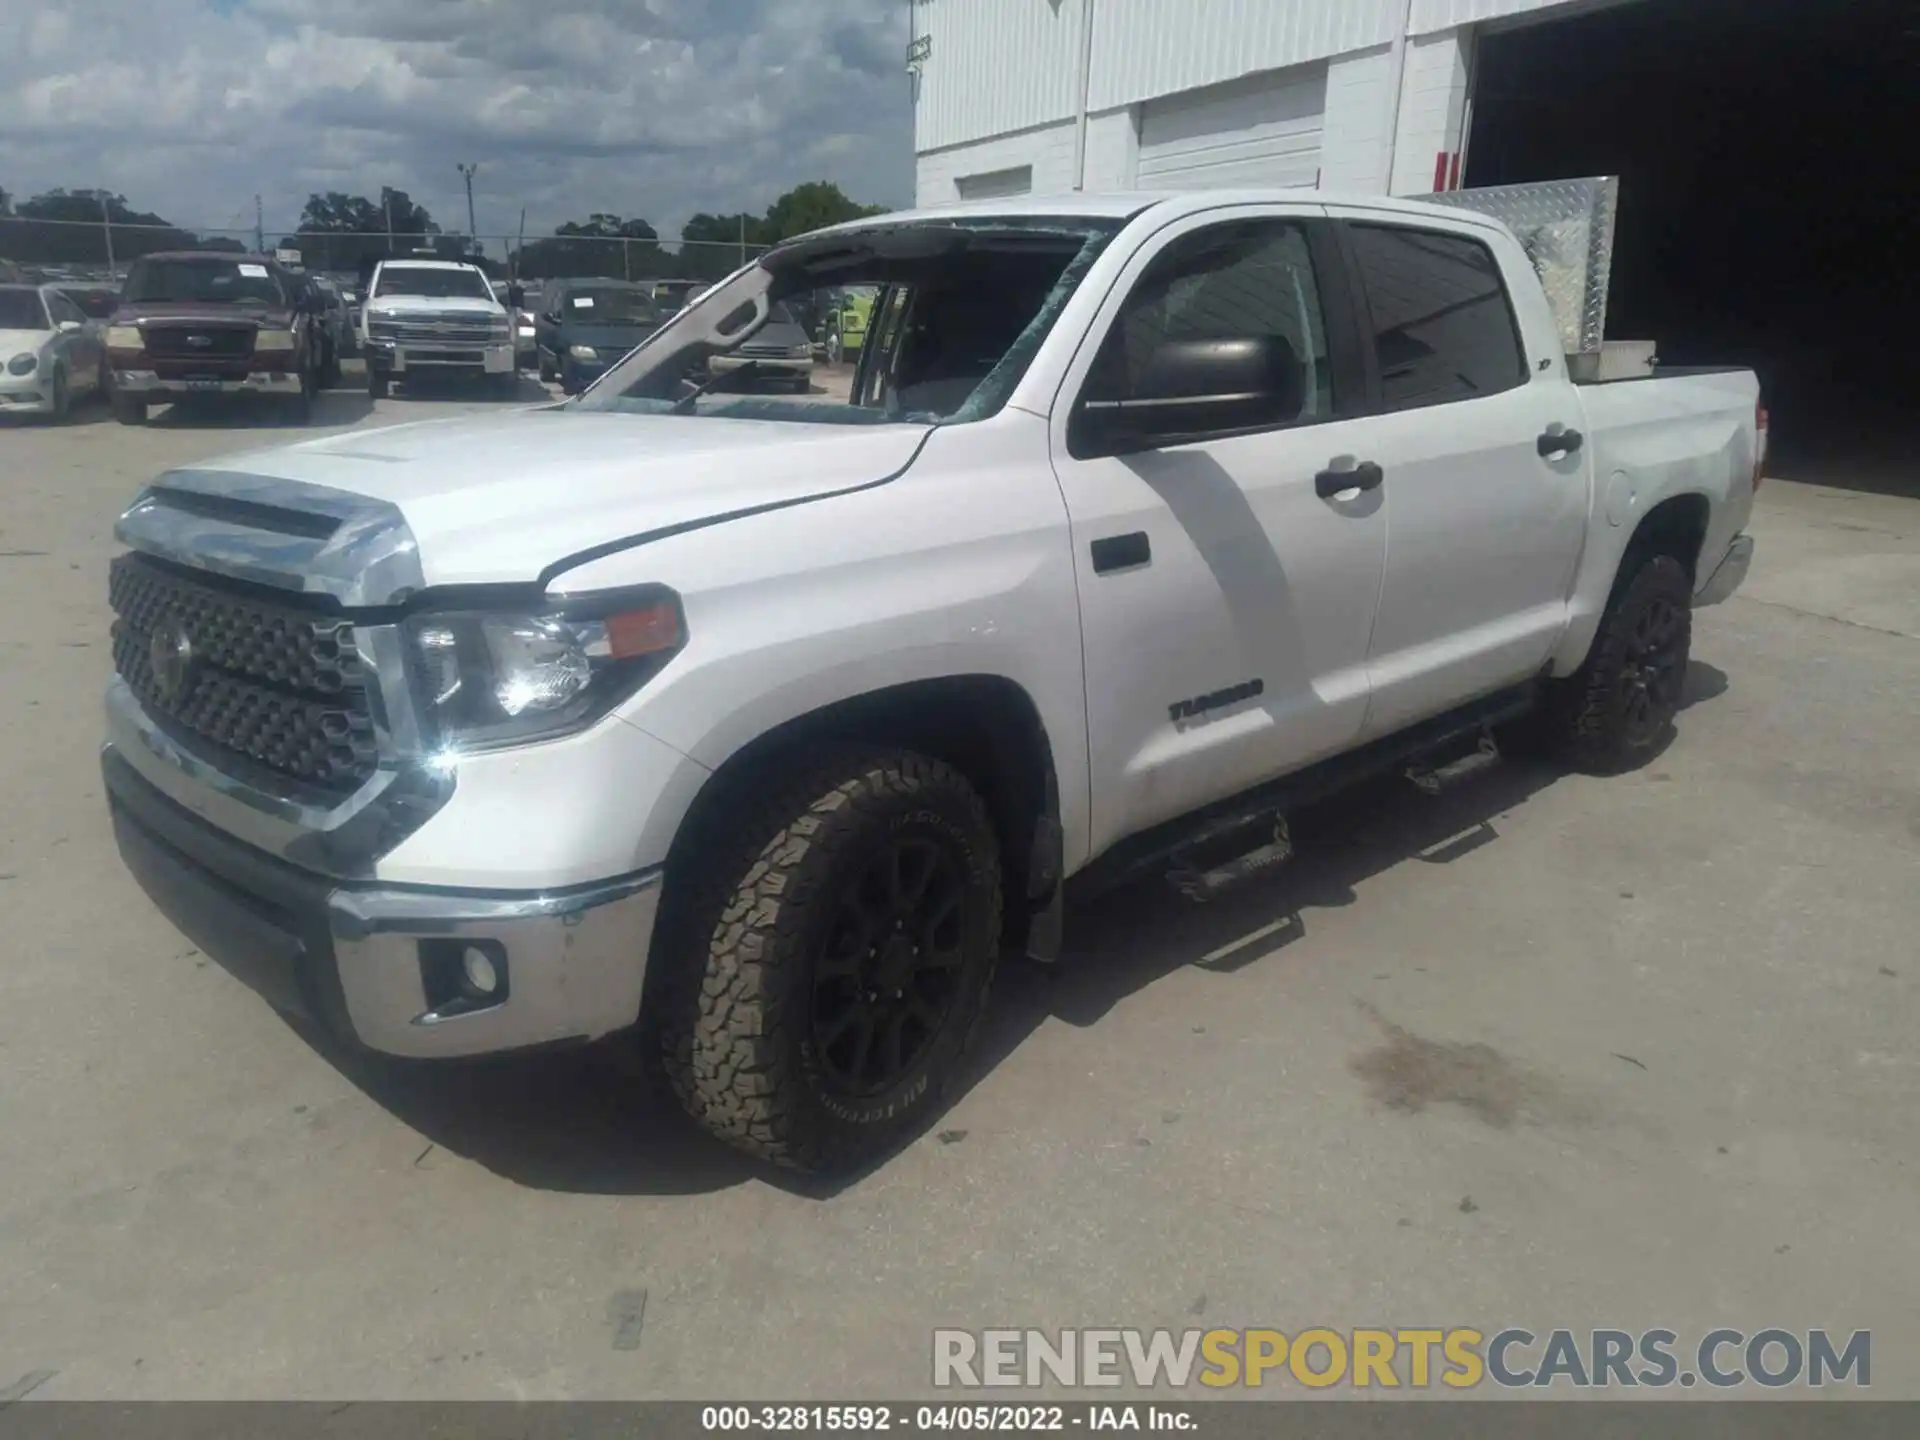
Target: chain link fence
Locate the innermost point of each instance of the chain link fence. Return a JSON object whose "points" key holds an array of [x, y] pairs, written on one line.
{"points": [[89, 252]]}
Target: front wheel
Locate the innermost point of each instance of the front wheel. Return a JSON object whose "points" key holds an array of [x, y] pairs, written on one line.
{"points": [[823, 963], [378, 384], [547, 377], [1617, 710], [129, 409], [61, 400]]}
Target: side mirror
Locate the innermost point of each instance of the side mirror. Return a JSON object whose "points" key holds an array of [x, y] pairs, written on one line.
{"points": [[67, 327], [1191, 389], [516, 296]]}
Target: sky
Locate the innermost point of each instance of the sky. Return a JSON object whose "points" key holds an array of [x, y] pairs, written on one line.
{"points": [[649, 108]]}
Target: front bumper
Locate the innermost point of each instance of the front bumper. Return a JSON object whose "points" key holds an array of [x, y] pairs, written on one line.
{"points": [[794, 367], [1729, 575], [392, 357], [26, 394], [257, 382], [378, 965]]}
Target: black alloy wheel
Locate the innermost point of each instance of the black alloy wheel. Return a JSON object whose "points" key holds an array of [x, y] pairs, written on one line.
{"points": [[1655, 669], [885, 981]]}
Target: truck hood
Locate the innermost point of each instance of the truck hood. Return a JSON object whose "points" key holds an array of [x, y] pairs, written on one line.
{"points": [[434, 305], [506, 497], [202, 312]]}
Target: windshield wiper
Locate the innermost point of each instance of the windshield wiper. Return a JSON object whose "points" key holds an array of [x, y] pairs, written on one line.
{"points": [[684, 405]]}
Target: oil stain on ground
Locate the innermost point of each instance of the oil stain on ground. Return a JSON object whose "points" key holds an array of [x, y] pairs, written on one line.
{"points": [[1410, 1073]]}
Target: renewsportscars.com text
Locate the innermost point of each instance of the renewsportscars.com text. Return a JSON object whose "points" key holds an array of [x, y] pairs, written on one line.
{"points": [[1454, 1359]]}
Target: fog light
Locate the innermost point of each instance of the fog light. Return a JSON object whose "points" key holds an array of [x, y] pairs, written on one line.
{"points": [[480, 972]]}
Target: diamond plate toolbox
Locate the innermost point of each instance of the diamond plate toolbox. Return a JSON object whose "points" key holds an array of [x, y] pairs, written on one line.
{"points": [[1566, 227]]}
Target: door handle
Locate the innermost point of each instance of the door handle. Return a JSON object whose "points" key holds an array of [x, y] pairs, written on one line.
{"points": [[1364, 476], [1121, 552], [1564, 442]]}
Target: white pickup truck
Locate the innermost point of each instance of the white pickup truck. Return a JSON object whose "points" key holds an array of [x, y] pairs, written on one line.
{"points": [[436, 318], [758, 729]]}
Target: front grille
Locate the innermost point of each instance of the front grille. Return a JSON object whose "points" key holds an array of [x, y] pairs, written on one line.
{"points": [[186, 342], [283, 687], [765, 352], [464, 331]]}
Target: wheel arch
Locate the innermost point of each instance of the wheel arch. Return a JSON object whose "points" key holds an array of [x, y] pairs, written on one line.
{"points": [[986, 726], [1676, 526]]}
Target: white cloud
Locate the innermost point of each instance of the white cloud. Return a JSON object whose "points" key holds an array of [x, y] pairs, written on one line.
{"points": [[652, 108]]}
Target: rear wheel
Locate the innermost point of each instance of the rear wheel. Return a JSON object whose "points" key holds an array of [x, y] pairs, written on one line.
{"points": [[1617, 709], [378, 383], [823, 963]]}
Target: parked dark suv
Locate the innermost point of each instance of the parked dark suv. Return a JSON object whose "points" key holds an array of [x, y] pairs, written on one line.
{"points": [[208, 323]]}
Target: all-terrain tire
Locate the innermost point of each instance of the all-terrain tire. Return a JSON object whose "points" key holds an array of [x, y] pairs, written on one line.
{"points": [[1616, 711], [741, 963]]}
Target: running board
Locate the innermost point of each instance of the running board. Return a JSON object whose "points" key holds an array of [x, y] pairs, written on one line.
{"points": [[1200, 881], [1431, 780]]}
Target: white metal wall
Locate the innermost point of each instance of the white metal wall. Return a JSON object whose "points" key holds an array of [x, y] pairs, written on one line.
{"points": [[995, 66], [1431, 15], [1147, 48], [1262, 130]]}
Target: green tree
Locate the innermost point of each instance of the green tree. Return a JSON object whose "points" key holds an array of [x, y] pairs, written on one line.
{"points": [[344, 232], [603, 244], [813, 206]]}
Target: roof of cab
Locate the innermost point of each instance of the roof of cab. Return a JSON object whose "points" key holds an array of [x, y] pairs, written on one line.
{"points": [[1125, 205]]}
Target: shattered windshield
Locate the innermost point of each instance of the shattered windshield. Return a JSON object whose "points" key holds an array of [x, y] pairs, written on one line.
{"points": [[952, 314]]}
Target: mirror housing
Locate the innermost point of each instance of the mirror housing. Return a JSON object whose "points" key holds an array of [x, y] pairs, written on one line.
{"points": [[67, 327], [1191, 389], [517, 296]]}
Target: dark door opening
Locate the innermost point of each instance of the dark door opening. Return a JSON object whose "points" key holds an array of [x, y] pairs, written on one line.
{"points": [[1769, 199]]}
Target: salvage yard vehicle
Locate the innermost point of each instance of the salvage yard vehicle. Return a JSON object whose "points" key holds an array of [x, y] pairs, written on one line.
{"points": [[438, 318], [756, 730], [586, 326], [50, 353], [779, 352], [843, 323], [198, 323]]}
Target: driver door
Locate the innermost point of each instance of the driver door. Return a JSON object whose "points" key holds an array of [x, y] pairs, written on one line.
{"points": [[1228, 565]]}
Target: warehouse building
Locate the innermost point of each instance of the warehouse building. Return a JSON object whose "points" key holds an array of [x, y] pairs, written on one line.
{"points": [[1770, 192]]}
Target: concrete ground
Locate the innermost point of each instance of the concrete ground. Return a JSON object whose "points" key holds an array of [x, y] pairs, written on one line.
{"points": [[1546, 1051]]}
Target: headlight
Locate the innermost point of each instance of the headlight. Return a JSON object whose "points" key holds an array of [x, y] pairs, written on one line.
{"points": [[800, 352], [500, 679], [273, 340], [124, 337], [22, 364], [583, 352]]}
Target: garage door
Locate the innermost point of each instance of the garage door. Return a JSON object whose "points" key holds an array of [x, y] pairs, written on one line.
{"points": [[1264, 130], [996, 184]]}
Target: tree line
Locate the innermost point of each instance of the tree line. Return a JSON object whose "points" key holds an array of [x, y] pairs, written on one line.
{"points": [[341, 232]]}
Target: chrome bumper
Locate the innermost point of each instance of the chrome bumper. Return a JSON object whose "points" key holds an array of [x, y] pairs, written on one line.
{"points": [[400, 357], [382, 966], [763, 364], [1729, 575], [258, 382]]}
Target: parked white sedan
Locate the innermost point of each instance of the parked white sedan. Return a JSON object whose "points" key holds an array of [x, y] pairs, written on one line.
{"points": [[50, 352]]}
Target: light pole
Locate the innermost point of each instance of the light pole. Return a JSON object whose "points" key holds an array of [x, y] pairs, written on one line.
{"points": [[467, 173]]}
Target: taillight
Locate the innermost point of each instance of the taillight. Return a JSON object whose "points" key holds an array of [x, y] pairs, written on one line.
{"points": [[1760, 443]]}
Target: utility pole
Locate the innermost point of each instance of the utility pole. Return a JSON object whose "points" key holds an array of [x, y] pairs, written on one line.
{"points": [[386, 200], [743, 238], [106, 224], [467, 174], [521, 243], [259, 228]]}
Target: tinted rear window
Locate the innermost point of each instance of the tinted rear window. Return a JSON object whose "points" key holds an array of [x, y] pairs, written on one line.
{"points": [[1441, 322]]}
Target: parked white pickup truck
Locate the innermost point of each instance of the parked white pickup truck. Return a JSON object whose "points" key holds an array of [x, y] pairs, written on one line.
{"points": [[438, 318], [760, 728]]}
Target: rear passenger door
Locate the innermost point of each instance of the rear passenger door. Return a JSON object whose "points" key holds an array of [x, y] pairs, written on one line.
{"points": [[1483, 531]]}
